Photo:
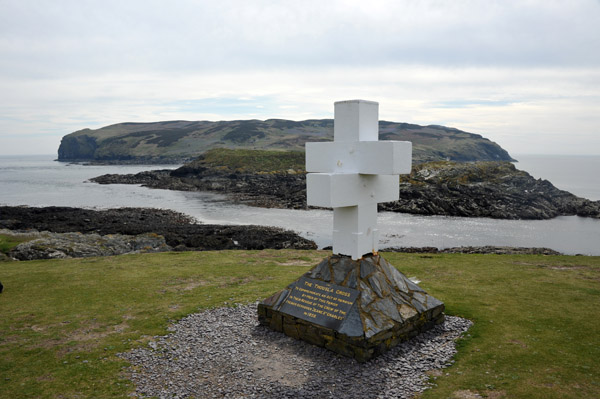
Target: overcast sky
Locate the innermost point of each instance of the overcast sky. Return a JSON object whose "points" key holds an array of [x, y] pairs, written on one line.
{"points": [[525, 74]]}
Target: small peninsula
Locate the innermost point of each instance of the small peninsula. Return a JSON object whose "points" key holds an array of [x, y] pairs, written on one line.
{"points": [[277, 179]]}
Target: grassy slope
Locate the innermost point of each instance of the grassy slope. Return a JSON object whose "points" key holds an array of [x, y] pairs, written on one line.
{"points": [[252, 161], [7, 242], [63, 321]]}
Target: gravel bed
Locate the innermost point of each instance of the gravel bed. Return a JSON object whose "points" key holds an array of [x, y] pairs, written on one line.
{"points": [[225, 353]]}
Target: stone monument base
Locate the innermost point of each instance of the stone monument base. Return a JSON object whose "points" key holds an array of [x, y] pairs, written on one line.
{"points": [[358, 308]]}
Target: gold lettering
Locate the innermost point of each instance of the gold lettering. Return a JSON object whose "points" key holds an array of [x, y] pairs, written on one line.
{"points": [[340, 292], [323, 288]]}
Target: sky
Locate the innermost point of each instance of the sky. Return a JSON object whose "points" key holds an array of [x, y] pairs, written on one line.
{"points": [[524, 73]]}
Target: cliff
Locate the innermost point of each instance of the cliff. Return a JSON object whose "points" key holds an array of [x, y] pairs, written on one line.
{"points": [[181, 141]]}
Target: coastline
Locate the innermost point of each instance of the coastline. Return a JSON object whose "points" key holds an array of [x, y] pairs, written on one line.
{"points": [[86, 232], [480, 189], [40, 182], [179, 232]]}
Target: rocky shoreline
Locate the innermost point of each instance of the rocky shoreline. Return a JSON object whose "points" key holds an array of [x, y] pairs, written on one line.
{"points": [[48, 245], [63, 232], [139, 227], [480, 189]]}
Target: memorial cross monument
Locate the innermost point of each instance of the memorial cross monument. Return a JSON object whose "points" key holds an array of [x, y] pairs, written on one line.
{"points": [[353, 302], [354, 173]]}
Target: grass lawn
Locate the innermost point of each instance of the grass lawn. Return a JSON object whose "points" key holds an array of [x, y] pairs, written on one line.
{"points": [[62, 322]]}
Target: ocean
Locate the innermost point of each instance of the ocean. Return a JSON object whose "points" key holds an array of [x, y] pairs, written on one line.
{"points": [[40, 181], [577, 174]]}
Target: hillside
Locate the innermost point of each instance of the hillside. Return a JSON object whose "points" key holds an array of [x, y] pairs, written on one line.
{"points": [[180, 141]]}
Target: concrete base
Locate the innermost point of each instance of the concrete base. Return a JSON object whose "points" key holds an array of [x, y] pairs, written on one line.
{"points": [[389, 308]]}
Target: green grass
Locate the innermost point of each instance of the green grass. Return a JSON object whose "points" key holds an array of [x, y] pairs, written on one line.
{"points": [[254, 161], [536, 331], [8, 242]]}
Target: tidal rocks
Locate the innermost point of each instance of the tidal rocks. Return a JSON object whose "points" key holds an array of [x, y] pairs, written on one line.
{"points": [[76, 245], [318, 308], [277, 190], [485, 189], [478, 189], [179, 230]]}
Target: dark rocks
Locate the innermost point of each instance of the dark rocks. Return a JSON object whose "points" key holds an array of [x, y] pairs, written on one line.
{"points": [[1, 287], [484, 189], [479, 189], [389, 307], [277, 190], [179, 230]]}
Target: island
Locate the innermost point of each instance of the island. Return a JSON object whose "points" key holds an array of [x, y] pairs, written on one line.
{"points": [[176, 142]]}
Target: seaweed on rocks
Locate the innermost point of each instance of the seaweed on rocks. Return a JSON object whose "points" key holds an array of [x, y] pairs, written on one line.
{"points": [[179, 230], [478, 189]]}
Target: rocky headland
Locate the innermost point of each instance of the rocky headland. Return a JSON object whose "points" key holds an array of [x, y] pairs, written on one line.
{"points": [[472, 189], [485, 189], [58, 232]]}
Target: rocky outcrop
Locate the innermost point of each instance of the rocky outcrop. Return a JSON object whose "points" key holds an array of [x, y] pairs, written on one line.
{"points": [[49, 245], [479, 189], [179, 230], [262, 190], [485, 189]]}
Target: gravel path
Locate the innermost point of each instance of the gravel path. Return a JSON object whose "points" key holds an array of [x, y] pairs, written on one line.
{"points": [[224, 353]]}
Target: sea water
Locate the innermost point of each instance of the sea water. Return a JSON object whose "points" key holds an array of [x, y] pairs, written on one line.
{"points": [[577, 174], [39, 181]]}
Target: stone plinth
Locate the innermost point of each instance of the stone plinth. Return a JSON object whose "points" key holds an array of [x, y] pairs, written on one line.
{"points": [[358, 308]]}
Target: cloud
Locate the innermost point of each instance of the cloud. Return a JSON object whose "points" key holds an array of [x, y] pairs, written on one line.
{"points": [[66, 38], [519, 72]]}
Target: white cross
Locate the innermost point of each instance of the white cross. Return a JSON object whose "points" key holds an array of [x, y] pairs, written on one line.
{"points": [[355, 172]]}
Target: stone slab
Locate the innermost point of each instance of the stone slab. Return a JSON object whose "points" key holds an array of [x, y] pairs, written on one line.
{"points": [[383, 307], [318, 302]]}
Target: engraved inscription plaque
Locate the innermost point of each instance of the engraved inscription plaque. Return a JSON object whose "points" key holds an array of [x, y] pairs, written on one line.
{"points": [[319, 302]]}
